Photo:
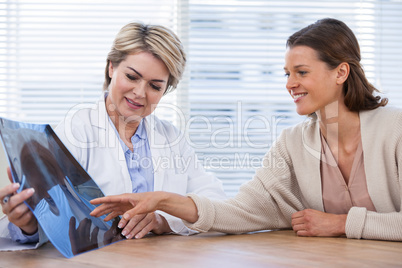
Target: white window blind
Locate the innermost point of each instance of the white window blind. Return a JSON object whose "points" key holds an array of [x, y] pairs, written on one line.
{"points": [[232, 102], [53, 53]]}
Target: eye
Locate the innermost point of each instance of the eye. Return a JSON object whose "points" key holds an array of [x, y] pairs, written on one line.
{"points": [[131, 77], [155, 87], [287, 75], [302, 73]]}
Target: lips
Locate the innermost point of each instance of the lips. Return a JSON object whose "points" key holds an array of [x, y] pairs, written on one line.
{"points": [[134, 105], [297, 97]]}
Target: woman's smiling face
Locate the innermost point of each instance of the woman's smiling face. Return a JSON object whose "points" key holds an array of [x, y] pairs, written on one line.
{"points": [[137, 85], [310, 82]]}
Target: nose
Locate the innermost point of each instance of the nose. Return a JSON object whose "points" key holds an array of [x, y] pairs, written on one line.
{"points": [[291, 82], [139, 89]]}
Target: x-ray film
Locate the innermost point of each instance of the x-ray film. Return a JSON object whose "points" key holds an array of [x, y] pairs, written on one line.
{"points": [[63, 189]]}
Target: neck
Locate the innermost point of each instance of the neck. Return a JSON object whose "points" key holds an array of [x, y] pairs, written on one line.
{"points": [[125, 128], [339, 124]]}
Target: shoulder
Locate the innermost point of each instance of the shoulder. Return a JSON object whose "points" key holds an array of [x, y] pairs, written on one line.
{"points": [[388, 116], [381, 128], [162, 132], [388, 110], [300, 140], [307, 126], [82, 119], [163, 127]]}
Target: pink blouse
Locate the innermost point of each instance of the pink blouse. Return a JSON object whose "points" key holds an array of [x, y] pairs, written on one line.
{"points": [[339, 197]]}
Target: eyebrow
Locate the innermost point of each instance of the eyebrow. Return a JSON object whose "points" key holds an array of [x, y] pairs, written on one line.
{"points": [[297, 66], [300, 65], [140, 75]]}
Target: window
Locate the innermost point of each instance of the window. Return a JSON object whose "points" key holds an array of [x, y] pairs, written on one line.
{"points": [[53, 53], [232, 102]]}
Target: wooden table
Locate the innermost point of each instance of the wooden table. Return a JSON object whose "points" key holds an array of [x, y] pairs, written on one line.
{"points": [[263, 249]]}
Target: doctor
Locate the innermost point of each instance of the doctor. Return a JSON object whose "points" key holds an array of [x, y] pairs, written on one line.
{"points": [[123, 147]]}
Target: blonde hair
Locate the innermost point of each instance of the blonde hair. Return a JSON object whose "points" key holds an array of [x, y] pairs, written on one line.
{"points": [[158, 40]]}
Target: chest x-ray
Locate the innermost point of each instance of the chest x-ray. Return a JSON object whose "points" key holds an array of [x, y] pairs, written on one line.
{"points": [[63, 189]]}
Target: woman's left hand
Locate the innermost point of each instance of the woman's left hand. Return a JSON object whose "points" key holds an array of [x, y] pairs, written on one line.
{"points": [[311, 222], [141, 224]]}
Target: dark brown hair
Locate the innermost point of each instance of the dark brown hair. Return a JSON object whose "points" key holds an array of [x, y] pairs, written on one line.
{"points": [[335, 43]]}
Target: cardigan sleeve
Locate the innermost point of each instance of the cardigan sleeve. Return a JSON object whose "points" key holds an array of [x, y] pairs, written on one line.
{"points": [[265, 202], [362, 223]]}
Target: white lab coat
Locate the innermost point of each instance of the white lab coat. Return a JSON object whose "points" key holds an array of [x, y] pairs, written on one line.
{"points": [[88, 134]]}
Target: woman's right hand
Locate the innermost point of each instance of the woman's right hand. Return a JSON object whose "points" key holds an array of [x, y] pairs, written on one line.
{"points": [[130, 205], [116, 205], [16, 210]]}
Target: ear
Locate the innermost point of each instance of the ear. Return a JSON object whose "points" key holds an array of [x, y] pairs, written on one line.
{"points": [[343, 70], [110, 69]]}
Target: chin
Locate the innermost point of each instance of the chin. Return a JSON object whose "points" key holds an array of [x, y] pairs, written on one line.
{"points": [[305, 111], [302, 112], [133, 118]]}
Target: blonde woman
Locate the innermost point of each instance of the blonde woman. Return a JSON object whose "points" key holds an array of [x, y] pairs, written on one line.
{"points": [[121, 144]]}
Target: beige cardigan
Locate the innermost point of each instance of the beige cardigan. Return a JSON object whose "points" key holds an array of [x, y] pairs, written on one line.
{"points": [[290, 181]]}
